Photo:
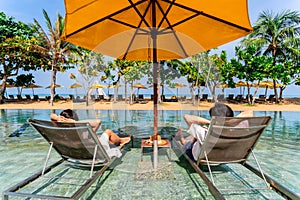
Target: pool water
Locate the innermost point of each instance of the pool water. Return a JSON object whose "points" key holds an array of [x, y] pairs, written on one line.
{"points": [[23, 152]]}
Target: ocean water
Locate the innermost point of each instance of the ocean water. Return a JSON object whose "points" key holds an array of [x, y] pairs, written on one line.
{"points": [[23, 153]]}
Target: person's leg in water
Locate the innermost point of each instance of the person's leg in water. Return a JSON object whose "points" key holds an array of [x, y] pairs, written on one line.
{"points": [[181, 137], [187, 145], [115, 139]]}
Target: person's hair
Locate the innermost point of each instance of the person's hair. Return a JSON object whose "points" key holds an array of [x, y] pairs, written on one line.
{"points": [[70, 114], [221, 110]]}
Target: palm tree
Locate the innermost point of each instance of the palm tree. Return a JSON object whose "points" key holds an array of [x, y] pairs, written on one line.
{"points": [[57, 48], [276, 35]]}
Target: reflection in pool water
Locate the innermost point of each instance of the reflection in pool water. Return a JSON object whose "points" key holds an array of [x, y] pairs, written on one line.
{"points": [[277, 150]]}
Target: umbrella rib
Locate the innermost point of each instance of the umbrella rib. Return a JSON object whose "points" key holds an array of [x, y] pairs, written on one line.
{"points": [[129, 25], [165, 14], [138, 28], [139, 13], [209, 16], [171, 27], [104, 18]]}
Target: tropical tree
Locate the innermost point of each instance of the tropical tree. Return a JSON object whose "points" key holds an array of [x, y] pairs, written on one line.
{"points": [[57, 49], [204, 70], [22, 81], [276, 35], [131, 71], [250, 67], [19, 50], [89, 65]]}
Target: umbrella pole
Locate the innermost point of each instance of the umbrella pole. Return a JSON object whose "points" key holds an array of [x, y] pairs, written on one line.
{"points": [[155, 113], [155, 75]]}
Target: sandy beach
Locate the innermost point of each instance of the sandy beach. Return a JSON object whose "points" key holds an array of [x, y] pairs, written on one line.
{"points": [[292, 105]]}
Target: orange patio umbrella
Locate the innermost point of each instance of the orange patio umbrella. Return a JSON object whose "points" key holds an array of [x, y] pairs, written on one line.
{"points": [[154, 30]]}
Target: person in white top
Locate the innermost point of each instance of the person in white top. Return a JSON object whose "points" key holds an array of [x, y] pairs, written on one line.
{"points": [[198, 128]]}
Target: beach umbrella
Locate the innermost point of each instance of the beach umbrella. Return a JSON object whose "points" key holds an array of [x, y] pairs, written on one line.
{"points": [[75, 85], [154, 30], [177, 85], [32, 86], [139, 86], [222, 86], [8, 85], [264, 84], [97, 85], [241, 84], [55, 86]]}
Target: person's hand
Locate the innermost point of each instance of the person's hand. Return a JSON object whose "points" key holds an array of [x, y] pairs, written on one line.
{"points": [[61, 119]]}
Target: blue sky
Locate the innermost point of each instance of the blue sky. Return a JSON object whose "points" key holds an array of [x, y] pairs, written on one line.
{"points": [[27, 10]]}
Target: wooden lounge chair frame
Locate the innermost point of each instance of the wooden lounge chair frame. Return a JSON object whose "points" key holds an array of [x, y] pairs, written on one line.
{"points": [[221, 147], [77, 144]]}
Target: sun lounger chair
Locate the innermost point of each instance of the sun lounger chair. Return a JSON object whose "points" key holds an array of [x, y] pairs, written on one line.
{"points": [[204, 97], [232, 140], [77, 145], [11, 97], [19, 97], [36, 97], [28, 97]]}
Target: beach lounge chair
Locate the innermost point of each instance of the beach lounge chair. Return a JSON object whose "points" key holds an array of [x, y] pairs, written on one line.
{"points": [[232, 140], [77, 145], [19, 97], [36, 97], [28, 97], [261, 99], [204, 97], [11, 97]]}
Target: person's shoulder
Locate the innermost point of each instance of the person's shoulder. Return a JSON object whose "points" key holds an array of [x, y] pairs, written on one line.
{"points": [[247, 113]]}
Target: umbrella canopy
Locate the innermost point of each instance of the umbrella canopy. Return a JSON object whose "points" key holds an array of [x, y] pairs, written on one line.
{"points": [[8, 85], [139, 86], [96, 85], [222, 86], [241, 84], [32, 86], [56, 86], [263, 84], [75, 85], [154, 30], [176, 29], [177, 85]]}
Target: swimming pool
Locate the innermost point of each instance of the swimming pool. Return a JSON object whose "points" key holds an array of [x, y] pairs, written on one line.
{"points": [[24, 154]]}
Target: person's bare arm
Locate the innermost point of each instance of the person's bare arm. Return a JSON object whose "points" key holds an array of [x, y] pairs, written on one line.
{"points": [[190, 119], [95, 124], [247, 113], [54, 117], [58, 118]]}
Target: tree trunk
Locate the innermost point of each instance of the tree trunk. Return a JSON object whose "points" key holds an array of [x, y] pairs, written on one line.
{"points": [[3, 88], [248, 96], [281, 89], [275, 91], [125, 91], [53, 82], [131, 93]]}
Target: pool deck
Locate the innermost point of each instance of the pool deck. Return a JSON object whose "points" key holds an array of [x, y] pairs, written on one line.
{"points": [[131, 178]]}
